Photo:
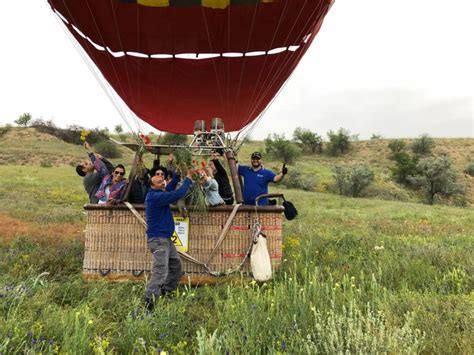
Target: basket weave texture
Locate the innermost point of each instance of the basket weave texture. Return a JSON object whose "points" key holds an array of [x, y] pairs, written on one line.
{"points": [[116, 243]]}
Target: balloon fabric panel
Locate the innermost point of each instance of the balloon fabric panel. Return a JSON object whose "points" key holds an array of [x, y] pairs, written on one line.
{"points": [[171, 93]]}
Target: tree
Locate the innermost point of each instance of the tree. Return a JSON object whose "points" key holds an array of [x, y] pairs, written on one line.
{"points": [[339, 142], [118, 129], [278, 147], [352, 180], [422, 145], [436, 176], [405, 166], [309, 141], [24, 119]]}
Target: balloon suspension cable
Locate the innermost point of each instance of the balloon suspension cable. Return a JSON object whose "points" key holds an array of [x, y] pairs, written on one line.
{"points": [[99, 78], [250, 128]]}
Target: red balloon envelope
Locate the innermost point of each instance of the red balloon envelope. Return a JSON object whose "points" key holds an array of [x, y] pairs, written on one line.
{"points": [[177, 61]]}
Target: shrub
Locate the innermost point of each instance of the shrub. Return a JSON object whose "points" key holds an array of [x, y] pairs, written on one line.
{"points": [[436, 176], [396, 146], [352, 180], [172, 138], [5, 129], [405, 166], [308, 141], [278, 147], [24, 119], [72, 134], [46, 164], [339, 142], [389, 193], [107, 149], [422, 145], [468, 170], [295, 180], [375, 136]]}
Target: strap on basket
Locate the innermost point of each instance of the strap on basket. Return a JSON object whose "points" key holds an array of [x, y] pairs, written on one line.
{"points": [[223, 232], [192, 260]]}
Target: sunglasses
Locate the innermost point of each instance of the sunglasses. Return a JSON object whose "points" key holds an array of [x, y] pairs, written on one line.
{"points": [[255, 158], [159, 174], [122, 173]]}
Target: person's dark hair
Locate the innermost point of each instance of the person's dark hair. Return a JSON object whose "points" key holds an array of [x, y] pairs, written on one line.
{"points": [[120, 166], [159, 167], [79, 170]]}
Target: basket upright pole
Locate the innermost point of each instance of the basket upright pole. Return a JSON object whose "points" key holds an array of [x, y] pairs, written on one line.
{"points": [[235, 176]]}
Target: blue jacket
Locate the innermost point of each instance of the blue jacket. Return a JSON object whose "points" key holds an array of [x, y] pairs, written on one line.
{"points": [[158, 211]]}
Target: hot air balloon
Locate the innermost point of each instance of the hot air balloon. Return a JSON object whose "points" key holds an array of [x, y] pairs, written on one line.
{"points": [[175, 63]]}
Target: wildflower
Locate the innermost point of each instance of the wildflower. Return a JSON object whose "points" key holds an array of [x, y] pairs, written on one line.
{"points": [[84, 135], [336, 285], [283, 345], [379, 248], [203, 164], [162, 335], [90, 322]]}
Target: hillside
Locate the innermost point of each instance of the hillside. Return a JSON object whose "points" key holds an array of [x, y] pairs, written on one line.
{"points": [[29, 147], [375, 154]]}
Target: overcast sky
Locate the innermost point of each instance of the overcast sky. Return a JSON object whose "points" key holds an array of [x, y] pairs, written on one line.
{"points": [[398, 68]]}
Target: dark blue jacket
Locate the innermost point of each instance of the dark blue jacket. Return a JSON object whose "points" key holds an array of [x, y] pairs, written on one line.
{"points": [[158, 212]]}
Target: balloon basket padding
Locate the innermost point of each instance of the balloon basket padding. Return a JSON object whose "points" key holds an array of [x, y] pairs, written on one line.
{"points": [[116, 243]]}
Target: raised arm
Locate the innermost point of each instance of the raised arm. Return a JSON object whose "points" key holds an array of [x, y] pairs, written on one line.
{"points": [[281, 174], [173, 196], [219, 166], [173, 183], [99, 165]]}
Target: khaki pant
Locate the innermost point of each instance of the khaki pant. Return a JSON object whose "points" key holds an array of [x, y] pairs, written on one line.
{"points": [[166, 269]]}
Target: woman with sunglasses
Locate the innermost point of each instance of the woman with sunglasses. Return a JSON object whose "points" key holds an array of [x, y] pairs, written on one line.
{"points": [[113, 187]]}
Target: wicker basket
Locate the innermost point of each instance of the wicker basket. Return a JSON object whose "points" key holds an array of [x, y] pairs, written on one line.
{"points": [[116, 248]]}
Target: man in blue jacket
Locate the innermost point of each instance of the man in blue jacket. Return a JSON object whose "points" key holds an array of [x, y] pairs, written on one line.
{"points": [[166, 269]]}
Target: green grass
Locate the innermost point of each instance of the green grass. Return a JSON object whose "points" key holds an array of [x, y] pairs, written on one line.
{"points": [[359, 275]]}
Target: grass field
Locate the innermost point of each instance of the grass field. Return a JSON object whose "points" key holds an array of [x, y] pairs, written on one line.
{"points": [[358, 276]]}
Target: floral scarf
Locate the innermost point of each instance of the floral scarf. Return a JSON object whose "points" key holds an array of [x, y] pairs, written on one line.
{"points": [[116, 191]]}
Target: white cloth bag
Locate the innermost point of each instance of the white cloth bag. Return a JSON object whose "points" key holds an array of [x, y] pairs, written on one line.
{"points": [[260, 262]]}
